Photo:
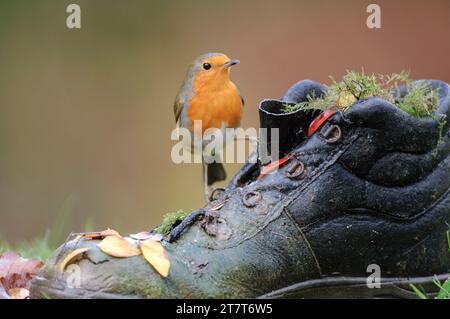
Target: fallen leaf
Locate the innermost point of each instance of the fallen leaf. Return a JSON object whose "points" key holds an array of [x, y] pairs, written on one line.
{"points": [[17, 272], [117, 246], [19, 293], [72, 257], [146, 235], [141, 236], [100, 234], [3, 293], [156, 255]]}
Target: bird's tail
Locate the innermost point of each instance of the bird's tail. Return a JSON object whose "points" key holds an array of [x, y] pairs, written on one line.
{"points": [[216, 173]]}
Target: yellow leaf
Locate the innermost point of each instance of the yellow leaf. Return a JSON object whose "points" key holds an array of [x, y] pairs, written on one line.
{"points": [[345, 99], [19, 293], [117, 246], [156, 255], [72, 257]]}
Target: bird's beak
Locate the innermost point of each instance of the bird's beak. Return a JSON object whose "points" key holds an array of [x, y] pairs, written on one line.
{"points": [[231, 63]]}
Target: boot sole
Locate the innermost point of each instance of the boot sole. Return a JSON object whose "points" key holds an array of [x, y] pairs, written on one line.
{"points": [[43, 288], [356, 288], [325, 288]]}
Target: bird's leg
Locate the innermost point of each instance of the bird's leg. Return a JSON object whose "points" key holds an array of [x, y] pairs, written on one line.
{"points": [[205, 182]]}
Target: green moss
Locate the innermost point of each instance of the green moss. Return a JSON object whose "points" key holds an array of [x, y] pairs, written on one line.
{"points": [[312, 103], [170, 221], [420, 101], [359, 85]]}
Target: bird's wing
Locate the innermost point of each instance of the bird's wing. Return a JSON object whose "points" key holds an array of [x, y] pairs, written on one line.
{"points": [[178, 107], [242, 98]]}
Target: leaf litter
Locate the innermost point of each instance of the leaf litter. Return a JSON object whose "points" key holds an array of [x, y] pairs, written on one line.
{"points": [[16, 274]]}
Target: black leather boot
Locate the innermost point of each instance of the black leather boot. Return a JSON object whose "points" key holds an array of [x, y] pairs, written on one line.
{"points": [[368, 190]]}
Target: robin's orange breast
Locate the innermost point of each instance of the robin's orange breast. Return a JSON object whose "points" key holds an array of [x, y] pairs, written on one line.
{"points": [[215, 107]]}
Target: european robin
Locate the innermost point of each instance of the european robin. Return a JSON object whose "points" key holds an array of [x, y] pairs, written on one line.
{"points": [[208, 95]]}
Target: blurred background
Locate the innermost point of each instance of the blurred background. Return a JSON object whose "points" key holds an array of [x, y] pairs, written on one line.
{"points": [[86, 115]]}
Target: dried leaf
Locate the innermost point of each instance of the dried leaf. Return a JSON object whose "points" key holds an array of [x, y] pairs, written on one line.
{"points": [[100, 234], [19, 293], [72, 257], [117, 246], [3, 293], [141, 236], [17, 272], [156, 255], [146, 235]]}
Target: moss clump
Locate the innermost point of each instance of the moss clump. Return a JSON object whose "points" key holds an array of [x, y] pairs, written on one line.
{"points": [[170, 221], [420, 101]]}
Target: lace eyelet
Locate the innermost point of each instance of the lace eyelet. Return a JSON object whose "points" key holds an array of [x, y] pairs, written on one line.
{"points": [[251, 199], [216, 193], [296, 170], [332, 134]]}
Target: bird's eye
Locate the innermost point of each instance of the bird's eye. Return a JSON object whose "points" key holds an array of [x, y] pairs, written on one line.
{"points": [[206, 66]]}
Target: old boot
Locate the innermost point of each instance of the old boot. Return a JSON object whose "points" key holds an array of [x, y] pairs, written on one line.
{"points": [[368, 191]]}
